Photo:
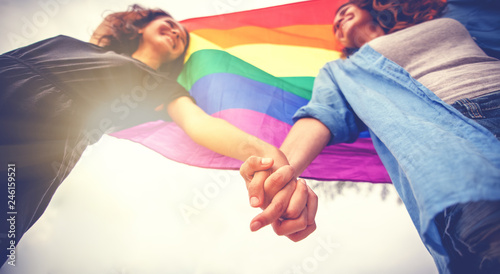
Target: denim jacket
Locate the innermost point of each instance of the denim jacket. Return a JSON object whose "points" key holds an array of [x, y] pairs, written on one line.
{"points": [[434, 155]]}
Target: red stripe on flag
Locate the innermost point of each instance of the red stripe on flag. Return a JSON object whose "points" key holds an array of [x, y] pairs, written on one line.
{"points": [[311, 12]]}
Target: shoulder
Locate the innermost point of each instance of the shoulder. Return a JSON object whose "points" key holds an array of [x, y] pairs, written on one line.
{"points": [[444, 27], [63, 39], [67, 44], [430, 26]]}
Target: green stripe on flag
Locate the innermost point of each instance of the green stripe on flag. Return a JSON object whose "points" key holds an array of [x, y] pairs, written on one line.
{"points": [[209, 61]]}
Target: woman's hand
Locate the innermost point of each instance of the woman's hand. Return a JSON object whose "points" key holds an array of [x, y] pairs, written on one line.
{"points": [[288, 205]]}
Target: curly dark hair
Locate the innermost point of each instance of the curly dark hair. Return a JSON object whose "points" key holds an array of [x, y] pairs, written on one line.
{"points": [[394, 15], [119, 32]]}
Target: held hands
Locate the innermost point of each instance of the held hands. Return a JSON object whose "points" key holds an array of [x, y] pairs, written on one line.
{"points": [[288, 205]]}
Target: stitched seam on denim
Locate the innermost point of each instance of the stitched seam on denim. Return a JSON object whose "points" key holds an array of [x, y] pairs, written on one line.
{"points": [[472, 108], [460, 106]]}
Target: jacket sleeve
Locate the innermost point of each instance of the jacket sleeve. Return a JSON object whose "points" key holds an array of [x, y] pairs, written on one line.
{"points": [[329, 106]]}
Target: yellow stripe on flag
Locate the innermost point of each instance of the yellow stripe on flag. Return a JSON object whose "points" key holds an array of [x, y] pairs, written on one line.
{"points": [[277, 60]]}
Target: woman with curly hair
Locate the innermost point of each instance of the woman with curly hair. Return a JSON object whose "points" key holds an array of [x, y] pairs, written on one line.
{"points": [[61, 94], [430, 98], [389, 17]]}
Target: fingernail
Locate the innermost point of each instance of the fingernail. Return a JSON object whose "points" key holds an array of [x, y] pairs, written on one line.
{"points": [[265, 161], [255, 226], [254, 201], [303, 181]]}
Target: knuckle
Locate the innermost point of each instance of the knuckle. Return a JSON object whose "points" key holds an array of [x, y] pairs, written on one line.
{"points": [[310, 221], [279, 206], [292, 213], [271, 185], [303, 223], [275, 178], [252, 159], [313, 195], [242, 173], [248, 166], [303, 190], [254, 162]]}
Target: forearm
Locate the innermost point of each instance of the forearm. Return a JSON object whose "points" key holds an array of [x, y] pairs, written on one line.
{"points": [[219, 135], [226, 139], [304, 142]]}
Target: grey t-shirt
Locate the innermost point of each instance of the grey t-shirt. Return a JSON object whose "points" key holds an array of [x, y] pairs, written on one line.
{"points": [[442, 56]]}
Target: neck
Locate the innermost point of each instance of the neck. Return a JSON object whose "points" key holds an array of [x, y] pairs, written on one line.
{"points": [[147, 57]]}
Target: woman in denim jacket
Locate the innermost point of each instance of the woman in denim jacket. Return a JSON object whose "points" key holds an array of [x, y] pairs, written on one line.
{"points": [[430, 98]]}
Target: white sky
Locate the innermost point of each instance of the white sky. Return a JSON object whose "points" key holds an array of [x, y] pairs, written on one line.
{"points": [[119, 210]]}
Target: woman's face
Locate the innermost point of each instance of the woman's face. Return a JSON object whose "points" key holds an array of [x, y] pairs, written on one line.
{"points": [[166, 37], [353, 26]]}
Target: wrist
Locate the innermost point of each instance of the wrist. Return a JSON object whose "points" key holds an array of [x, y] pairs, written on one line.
{"points": [[256, 147]]}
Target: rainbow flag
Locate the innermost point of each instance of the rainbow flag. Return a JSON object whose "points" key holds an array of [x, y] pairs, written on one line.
{"points": [[255, 69]]}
